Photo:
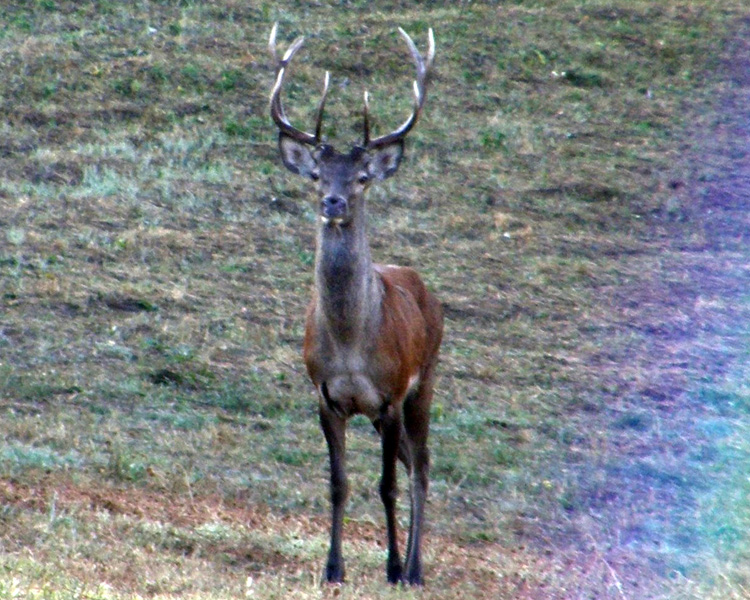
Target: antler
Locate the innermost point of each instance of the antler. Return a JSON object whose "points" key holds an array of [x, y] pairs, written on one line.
{"points": [[420, 93], [277, 109]]}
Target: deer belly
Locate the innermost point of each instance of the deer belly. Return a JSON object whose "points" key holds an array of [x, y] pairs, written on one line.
{"points": [[351, 394]]}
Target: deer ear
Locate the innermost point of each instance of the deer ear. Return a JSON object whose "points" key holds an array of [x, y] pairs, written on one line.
{"points": [[297, 157], [384, 161]]}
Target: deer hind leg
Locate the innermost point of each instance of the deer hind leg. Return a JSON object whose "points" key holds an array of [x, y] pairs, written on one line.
{"points": [[390, 426], [416, 427], [334, 429], [404, 449]]}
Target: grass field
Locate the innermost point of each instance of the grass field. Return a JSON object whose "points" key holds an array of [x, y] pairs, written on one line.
{"points": [[576, 194]]}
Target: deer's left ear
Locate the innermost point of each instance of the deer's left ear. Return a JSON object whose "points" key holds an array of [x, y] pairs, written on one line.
{"points": [[384, 161]]}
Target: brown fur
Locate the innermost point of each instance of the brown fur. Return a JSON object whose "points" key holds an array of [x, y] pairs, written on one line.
{"points": [[407, 336]]}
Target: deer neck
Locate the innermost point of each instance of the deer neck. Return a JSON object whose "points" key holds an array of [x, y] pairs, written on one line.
{"points": [[346, 284]]}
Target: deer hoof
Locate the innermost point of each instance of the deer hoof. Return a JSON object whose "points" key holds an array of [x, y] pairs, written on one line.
{"points": [[334, 573], [394, 573]]}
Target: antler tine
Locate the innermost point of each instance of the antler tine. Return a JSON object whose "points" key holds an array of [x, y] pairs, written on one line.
{"points": [[430, 49], [272, 41], [277, 108], [420, 92], [366, 117], [321, 105], [415, 55]]}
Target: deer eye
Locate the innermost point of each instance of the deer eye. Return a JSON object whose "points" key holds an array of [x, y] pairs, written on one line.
{"points": [[314, 175], [364, 178]]}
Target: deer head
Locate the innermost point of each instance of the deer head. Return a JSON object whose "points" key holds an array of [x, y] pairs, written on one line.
{"points": [[342, 178]]}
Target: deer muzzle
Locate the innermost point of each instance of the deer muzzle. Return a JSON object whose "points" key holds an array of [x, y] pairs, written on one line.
{"points": [[334, 208]]}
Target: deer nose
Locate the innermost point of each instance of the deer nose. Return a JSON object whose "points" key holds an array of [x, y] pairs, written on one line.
{"points": [[333, 207]]}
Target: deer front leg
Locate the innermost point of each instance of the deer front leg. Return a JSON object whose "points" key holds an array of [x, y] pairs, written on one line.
{"points": [[419, 476], [390, 425], [334, 429], [416, 410]]}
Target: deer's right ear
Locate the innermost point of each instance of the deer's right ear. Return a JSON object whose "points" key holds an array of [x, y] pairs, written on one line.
{"points": [[297, 157]]}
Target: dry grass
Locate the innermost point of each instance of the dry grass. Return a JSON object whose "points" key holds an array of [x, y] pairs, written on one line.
{"points": [[584, 223], [176, 546]]}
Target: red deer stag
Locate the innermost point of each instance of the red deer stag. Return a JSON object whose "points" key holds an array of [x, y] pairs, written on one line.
{"points": [[373, 331]]}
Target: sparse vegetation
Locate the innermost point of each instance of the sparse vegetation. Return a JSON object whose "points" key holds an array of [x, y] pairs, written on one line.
{"points": [[576, 195]]}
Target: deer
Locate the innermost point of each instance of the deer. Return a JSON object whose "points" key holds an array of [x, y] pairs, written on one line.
{"points": [[373, 331]]}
